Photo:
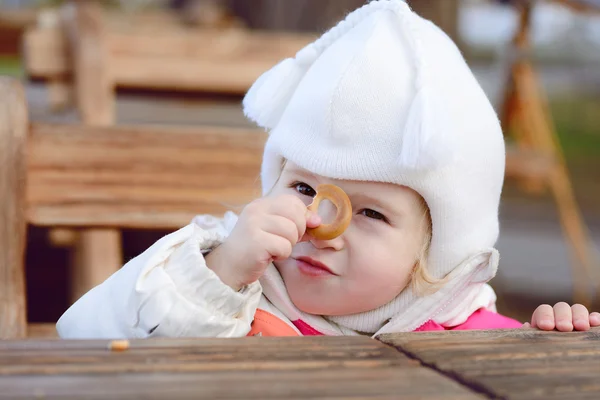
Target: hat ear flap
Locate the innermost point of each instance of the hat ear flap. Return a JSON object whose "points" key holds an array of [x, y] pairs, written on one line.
{"points": [[425, 141]]}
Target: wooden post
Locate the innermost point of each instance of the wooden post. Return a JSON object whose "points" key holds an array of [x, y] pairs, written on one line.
{"points": [[97, 252], [94, 88], [97, 255], [13, 136]]}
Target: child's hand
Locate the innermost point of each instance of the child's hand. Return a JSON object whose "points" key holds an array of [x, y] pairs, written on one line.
{"points": [[563, 317], [266, 231]]}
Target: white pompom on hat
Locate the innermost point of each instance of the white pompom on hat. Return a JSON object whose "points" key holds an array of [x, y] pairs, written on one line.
{"points": [[386, 96]]}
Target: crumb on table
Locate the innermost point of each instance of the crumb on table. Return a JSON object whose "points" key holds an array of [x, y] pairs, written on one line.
{"points": [[118, 345]]}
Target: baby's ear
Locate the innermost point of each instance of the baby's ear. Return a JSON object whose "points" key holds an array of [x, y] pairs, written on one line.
{"points": [[485, 265]]}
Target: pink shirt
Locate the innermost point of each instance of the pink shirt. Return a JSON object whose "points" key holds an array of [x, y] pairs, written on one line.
{"points": [[481, 319]]}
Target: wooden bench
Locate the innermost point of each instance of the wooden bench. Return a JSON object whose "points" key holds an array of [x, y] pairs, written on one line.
{"points": [[86, 43], [95, 52], [80, 176]]}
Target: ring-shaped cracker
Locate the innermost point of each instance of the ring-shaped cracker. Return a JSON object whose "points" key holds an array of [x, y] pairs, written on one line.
{"points": [[343, 214]]}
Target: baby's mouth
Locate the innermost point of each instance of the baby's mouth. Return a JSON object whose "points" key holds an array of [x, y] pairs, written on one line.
{"points": [[313, 267]]}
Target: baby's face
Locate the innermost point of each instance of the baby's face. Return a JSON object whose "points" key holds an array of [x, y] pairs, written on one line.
{"points": [[370, 263]]}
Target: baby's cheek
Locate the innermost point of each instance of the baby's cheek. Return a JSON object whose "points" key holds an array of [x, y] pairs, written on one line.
{"points": [[388, 273], [386, 289], [398, 272], [400, 278]]}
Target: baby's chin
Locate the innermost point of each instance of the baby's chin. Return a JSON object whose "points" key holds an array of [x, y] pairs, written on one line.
{"points": [[309, 303], [323, 305], [314, 308], [309, 307]]}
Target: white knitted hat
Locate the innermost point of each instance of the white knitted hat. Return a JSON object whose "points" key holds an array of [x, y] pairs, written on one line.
{"points": [[386, 96]]}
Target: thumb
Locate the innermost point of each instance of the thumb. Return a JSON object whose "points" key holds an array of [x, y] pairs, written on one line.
{"points": [[312, 221]]}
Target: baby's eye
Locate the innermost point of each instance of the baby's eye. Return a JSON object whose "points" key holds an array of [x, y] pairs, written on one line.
{"points": [[367, 212], [304, 189]]}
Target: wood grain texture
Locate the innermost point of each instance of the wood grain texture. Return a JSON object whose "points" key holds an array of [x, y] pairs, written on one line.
{"points": [[512, 364], [183, 74], [156, 57], [133, 177], [250, 368], [216, 45], [13, 136]]}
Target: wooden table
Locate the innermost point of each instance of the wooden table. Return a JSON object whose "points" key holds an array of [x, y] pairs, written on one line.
{"points": [[512, 364], [249, 368], [450, 365]]}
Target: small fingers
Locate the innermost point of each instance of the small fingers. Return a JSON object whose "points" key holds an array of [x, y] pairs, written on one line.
{"points": [[292, 208], [278, 247], [581, 317], [282, 227], [313, 219], [563, 317], [595, 319], [543, 318]]}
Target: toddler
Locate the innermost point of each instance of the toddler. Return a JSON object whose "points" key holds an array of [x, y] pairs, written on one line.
{"points": [[384, 106]]}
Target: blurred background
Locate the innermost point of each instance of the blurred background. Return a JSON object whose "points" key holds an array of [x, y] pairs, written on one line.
{"points": [[564, 55]]}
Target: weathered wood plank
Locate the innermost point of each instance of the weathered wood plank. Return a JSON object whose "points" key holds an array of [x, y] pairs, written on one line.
{"points": [[140, 178], [176, 59], [13, 136], [199, 59], [213, 45], [515, 364], [184, 74], [255, 368]]}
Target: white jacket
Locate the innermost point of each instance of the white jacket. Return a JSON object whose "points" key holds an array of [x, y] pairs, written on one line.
{"points": [[168, 291]]}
